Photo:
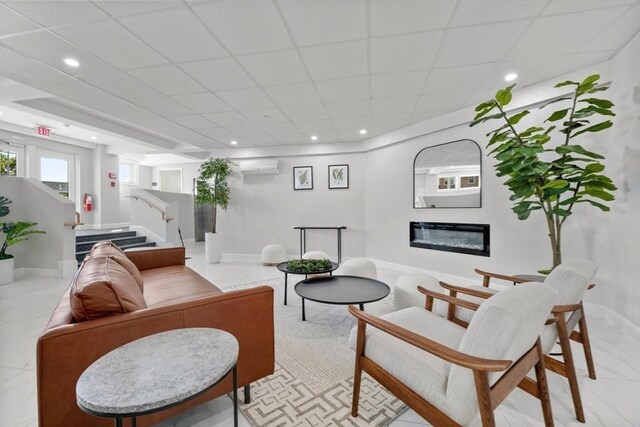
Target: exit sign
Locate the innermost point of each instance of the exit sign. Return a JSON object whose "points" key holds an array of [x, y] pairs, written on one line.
{"points": [[43, 131]]}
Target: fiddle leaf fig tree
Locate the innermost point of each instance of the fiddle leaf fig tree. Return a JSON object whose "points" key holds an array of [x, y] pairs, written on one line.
{"points": [[213, 187], [545, 168]]}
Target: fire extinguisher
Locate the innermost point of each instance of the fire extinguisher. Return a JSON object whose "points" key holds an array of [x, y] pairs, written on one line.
{"points": [[87, 202]]}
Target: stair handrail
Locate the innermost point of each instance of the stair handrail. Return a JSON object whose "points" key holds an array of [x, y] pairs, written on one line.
{"points": [[151, 205]]}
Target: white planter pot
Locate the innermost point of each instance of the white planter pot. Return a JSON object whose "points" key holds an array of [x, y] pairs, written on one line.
{"points": [[6, 271], [213, 248]]}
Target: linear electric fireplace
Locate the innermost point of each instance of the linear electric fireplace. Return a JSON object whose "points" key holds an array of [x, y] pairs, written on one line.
{"points": [[470, 239]]}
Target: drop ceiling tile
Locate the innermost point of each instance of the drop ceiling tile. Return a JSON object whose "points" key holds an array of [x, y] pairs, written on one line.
{"points": [[265, 115], [387, 17], [175, 33], [350, 89], [204, 102], [12, 22], [230, 118], [618, 33], [339, 60], [219, 134], [120, 48], [167, 79], [448, 101], [404, 53], [390, 122], [292, 95], [164, 106], [479, 96], [541, 39], [246, 99], [426, 115], [313, 127], [132, 7], [573, 6], [393, 106], [353, 124], [248, 131], [457, 78], [218, 74], [274, 68], [262, 140], [52, 13], [279, 128], [326, 136], [292, 138], [192, 121], [52, 50], [398, 84], [345, 110], [318, 22], [471, 12], [350, 135], [245, 26], [479, 44], [122, 85], [305, 112]]}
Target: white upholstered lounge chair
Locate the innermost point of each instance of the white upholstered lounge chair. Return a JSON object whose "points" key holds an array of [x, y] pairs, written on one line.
{"points": [[451, 375], [571, 279]]}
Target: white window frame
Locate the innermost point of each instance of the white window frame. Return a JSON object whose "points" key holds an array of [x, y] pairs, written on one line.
{"points": [[135, 172]]}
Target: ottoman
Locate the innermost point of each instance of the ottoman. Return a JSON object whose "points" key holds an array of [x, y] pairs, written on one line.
{"points": [[273, 254]]}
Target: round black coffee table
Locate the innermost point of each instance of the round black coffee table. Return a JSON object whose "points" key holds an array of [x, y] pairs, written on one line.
{"points": [[283, 267], [341, 290]]}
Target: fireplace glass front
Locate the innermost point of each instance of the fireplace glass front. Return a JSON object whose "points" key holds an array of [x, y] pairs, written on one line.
{"points": [[470, 239]]}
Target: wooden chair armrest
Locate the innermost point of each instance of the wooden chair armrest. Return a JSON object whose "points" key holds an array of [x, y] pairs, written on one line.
{"points": [[559, 309], [500, 276], [467, 291], [451, 300], [449, 354], [550, 321]]}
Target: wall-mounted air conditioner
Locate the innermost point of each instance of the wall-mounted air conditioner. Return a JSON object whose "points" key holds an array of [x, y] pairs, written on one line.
{"points": [[261, 167]]}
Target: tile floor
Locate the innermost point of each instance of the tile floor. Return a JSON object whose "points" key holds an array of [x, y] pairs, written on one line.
{"points": [[612, 400]]}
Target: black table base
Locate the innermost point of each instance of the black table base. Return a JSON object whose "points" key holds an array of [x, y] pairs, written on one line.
{"points": [[303, 238]]}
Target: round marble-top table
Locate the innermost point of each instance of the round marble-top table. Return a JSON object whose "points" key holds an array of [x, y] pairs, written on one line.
{"points": [[158, 372]]}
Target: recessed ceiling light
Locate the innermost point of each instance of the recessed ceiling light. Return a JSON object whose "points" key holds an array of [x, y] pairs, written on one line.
{"points": [[314, 138], [94, 137], [234, 142], [71, 62], [510, 77], [363, 131]]}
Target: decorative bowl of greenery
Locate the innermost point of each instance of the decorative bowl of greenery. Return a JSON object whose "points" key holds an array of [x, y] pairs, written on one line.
{"points": [[309, 265]]}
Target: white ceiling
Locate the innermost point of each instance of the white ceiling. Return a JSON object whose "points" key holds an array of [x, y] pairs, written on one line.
{"points": [[194, 75]]}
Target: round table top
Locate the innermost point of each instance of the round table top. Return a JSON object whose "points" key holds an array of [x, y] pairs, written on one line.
{"points": [[283, 267], [156, 372], [342, 289]]}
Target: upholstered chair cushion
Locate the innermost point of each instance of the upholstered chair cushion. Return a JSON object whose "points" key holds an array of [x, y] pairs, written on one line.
{"points": [[101, 288], [315, 255], [505, 327], [362, 267], [406, 294], [422, 372], [108, 249]]}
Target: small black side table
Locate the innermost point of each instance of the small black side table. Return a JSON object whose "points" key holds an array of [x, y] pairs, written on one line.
{"points": [[283, 267], [158, 372], [303, 238]]}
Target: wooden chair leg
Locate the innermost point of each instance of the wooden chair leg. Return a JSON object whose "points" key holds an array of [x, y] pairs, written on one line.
{"points": [[543, 388], [484, 398], [586, 344], [570, 368], [357, 376]]}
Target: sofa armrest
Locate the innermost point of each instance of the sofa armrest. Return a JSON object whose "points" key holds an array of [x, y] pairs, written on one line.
{"points": [[148, 258], [64, 352]]}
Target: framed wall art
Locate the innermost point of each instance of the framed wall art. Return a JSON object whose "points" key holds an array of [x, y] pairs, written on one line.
{"points": [[338, 176], [303, 177]]}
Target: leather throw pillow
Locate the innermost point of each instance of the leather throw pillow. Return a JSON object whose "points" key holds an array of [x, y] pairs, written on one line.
{"points": [[107, 248]]}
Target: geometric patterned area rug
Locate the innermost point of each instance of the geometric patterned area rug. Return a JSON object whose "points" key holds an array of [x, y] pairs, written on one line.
{"points": [[313, 381]]}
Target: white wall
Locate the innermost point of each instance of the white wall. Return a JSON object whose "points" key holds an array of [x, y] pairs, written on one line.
{"points": [[265, 207], [184, 205], [611, 239], [144, 183]]}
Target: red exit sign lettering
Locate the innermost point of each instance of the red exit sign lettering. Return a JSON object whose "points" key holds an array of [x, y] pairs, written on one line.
{"points": [[43, 131]]}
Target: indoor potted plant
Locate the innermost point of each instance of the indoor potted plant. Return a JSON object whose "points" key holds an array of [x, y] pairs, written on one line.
{"points": [[545, 169], [213, 188], [15, 232]]}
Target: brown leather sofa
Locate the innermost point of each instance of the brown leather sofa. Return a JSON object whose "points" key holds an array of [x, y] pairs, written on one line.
{"points": [[175, 297]]}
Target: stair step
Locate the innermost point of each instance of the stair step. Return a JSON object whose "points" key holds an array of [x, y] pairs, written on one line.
{"points": [[123, 241], [80, 255], [104, 236]]}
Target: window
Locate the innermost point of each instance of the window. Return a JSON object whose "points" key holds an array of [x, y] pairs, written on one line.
{"points": [[128, 173], [8, 163], [447, 183], [469, 181], [54, 173]]}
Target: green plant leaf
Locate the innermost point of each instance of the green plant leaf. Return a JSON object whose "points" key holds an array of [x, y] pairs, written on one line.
{"points": [[560, 183], [591, 79], [598, 193], [503, 96], [602, 207], [553, 101], [560, 212], [566, 149], [595, 128], [598, 102], [557, 115], [513, 120], [567, 83], [4, 208]]}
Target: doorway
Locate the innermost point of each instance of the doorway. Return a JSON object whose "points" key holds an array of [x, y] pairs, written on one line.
{"points": [[170, 180], [57, 171]]}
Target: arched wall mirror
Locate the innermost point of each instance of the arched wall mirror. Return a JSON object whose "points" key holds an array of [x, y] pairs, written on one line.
{"points": [[448, 176]]}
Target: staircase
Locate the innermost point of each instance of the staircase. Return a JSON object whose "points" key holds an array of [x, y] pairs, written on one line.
{"points": [[122, 239]]}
